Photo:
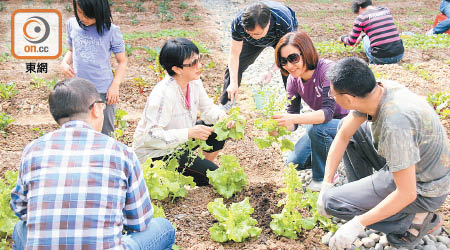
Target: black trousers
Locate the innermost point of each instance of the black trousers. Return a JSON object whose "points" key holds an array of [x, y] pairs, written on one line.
{"points": [[199, 166], [248, 55]]}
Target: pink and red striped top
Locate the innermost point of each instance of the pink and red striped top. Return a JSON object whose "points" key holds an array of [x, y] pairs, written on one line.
{"points": [[379, 26]]}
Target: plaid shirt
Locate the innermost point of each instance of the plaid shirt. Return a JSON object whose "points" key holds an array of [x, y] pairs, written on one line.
{"points": [[77, 189]]}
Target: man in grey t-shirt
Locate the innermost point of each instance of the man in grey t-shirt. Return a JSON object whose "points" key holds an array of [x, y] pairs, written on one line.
{"points": [[397, 134]]}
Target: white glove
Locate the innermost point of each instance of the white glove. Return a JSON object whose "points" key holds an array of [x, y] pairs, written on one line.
{"points": [[346, 234], [320, 207]]}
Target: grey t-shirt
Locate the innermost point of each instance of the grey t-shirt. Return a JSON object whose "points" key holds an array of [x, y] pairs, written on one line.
{"points": [[406, 131]]}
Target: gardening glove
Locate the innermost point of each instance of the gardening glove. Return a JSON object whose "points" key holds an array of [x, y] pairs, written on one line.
{"points": [[320, 206], [347, 234]]}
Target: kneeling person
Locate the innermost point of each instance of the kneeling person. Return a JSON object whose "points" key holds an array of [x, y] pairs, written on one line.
{"points": [[407, 146], [78, 188], [170, 115]]}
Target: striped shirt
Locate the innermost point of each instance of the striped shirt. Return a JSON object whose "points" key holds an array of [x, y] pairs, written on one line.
{"points": [[379, 26], [282, 21], [78, 189]]}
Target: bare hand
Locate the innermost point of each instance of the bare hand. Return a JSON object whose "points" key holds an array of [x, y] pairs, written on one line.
{"points": [[112, 96], [67, 70], [232, 92], [358, 41], [285, 120], [266, 78], [200, 132]]}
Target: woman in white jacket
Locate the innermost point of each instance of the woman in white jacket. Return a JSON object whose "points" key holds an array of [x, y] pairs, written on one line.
{"points": [[170, 115]]}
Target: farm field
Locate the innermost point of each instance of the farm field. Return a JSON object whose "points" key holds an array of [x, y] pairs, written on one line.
{"points": [[425, 69]]}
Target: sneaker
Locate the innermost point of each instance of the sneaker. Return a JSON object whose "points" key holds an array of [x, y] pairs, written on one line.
{"points": [[314, 186], [430, 32]]}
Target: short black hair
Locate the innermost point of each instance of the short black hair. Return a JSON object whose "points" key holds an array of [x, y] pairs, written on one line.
{"points": [[357, 4], [97, 9], [255, 14], [353, 76], [174, 52], [71, 97]]}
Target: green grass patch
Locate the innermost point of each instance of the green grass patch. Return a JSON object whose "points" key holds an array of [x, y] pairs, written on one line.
{"points": [[160, 34]]}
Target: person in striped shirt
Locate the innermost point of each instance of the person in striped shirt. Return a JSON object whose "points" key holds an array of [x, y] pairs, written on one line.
{"points": [[382, 43], [78, 188]]}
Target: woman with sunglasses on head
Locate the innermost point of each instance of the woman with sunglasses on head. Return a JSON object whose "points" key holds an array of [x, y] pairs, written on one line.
{"points": [[170, 115], [296, 56]]}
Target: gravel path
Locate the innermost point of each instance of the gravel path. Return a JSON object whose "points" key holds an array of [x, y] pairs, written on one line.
{"points": [[226, 10]]}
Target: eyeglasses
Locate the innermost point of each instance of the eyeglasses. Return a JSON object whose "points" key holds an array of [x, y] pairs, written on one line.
{"points": [[98, 101], [334, 96], [193, 63], [292, 58]]}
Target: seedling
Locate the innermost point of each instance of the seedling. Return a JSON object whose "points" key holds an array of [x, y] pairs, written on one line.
{"points": [[158, 70], [164, 13], [139, 7], [2, 7], [189, 15], [230, 178], [40, 131], [119, 124], [141, 83], [290, 222], [417, 69], [234, 223], [7, 217], [8, 90], [5, 120], [183, 5], [164, 181], [236, 132], [441, 103]]}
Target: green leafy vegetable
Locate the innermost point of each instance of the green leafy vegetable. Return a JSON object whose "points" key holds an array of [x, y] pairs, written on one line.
{"points": [[229, 178], [274, 134], [234, 223], [7, 217], [163, 180], [236, 132], [290, 221]]}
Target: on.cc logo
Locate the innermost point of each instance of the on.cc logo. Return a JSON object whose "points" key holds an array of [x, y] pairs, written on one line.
{"points": [[36, 29]]}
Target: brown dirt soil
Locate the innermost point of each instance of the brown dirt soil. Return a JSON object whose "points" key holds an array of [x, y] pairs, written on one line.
{"points": [[324, 20]]}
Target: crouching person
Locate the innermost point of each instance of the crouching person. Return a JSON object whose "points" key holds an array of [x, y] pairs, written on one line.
{"points": [[406, 145], [78, 188]]}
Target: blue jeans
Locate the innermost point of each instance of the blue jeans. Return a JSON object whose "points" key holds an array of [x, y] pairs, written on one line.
{"points": [[315, 144], [376, 60], [159, 234], [444, 25]]}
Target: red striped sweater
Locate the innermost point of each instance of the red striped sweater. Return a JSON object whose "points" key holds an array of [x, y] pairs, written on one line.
{"points": [[379, 26]]}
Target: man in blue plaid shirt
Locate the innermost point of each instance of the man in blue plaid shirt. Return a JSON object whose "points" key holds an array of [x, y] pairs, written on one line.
{"points": [[78, 188]]}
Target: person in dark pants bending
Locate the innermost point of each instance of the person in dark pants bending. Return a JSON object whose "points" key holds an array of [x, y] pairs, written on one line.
{"points": [[396, 155], [256, 27]]}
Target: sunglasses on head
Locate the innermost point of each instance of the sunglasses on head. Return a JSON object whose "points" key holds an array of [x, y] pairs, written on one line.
{"points": [[292, 58], [193, 63]]}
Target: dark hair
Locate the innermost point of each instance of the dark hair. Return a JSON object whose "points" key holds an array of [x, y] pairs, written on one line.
{"points": [[302, 42], [255, 14], [97, 9], [357, 4], [71, 97], [353, 76], [174, 52]]}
